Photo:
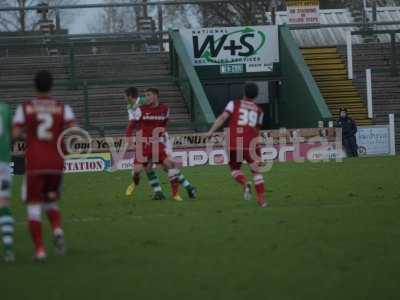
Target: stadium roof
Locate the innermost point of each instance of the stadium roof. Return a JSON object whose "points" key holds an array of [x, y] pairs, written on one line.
{"points": [[337, 35], [386, 14]]}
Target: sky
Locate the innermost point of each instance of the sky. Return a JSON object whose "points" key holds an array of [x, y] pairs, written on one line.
{"points": [[84, 17]]}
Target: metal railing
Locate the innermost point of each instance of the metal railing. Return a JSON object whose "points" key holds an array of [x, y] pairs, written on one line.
{"points": [[128, 4], [103, 129], [395, 57]]}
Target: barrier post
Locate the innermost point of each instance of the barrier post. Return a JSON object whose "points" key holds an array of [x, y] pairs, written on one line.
{"points": [[349, 56], [392, 134], [86, 105], [368, 76], [72, 69]]}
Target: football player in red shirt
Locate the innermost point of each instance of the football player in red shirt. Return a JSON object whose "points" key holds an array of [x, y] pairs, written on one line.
{"points": [[135, 101], [152, 146], [41, 122], [246, 119]]}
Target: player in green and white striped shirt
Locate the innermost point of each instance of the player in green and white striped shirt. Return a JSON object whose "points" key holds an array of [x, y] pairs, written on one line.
{"points": [[6, 219]]}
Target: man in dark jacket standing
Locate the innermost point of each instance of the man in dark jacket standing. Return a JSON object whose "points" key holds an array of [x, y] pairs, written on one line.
{"points": [[349, 130]]}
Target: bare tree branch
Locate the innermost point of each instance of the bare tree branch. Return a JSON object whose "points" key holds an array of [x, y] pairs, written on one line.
{"points": [[26, 20], [116, 19]]}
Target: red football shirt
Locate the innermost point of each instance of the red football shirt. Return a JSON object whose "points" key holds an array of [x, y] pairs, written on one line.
{"points": [[44, 120], [245, 123], [152, 121]]}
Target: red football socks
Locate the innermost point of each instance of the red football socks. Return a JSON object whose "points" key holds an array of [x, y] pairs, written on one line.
{"points": [[54, 216], [174, 186], [35, 228], [260, 188], [239, 177]]}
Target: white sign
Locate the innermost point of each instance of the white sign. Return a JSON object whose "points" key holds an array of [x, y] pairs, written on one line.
{"points": [[303, 12], [256, 47], [200, 156], [78, 163], [373, 140]]}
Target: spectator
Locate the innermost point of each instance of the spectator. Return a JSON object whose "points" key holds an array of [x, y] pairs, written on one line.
{"points": [[349, 130]]}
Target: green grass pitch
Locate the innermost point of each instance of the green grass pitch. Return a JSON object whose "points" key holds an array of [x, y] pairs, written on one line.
{"points": [[332, 232]]}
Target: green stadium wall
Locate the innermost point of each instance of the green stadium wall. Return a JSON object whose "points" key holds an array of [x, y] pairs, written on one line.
{"points": [[300, 103]]}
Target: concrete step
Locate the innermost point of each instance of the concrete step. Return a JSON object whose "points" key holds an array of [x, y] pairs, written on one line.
{"points": [[122, 115], [328, 73], [309, 57], [335, 84], [336, 88], [341, 94], [317, 61], [351, 112], [357, 116], [124, 74], [327, 67], [347, 105], [318, 50], [343, 100], [329, 78]]}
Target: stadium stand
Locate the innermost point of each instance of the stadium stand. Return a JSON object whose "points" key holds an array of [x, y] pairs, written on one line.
{"points": [[385, 86], [107, 76], [324, 50], [330, 73], [106, 69]]}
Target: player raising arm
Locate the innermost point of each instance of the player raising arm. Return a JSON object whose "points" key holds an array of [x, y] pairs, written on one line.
{"points": [[133, 102], [246, 119], [6, 219], [41, 122]]}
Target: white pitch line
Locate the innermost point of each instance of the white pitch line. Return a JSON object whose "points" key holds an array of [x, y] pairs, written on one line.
{"points": [[89, 220]]}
